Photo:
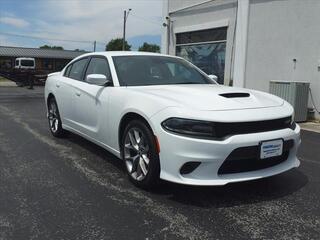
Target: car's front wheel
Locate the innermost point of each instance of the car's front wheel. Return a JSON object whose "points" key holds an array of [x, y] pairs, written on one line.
{"points": [[140, 153], [54, 119]]}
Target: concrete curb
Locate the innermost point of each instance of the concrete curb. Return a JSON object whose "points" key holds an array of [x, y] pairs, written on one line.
{"points": [[310, 126]]}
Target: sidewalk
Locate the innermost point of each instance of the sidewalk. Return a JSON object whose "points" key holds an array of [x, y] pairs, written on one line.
{"points": [[310, 126], [6, 83]]}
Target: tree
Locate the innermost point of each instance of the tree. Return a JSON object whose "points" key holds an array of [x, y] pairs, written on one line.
{"points": [[116, 45], [51, 47], [146, 47]]}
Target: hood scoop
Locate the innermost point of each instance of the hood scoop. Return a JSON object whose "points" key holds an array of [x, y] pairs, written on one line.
{"points": [[234, 95]]}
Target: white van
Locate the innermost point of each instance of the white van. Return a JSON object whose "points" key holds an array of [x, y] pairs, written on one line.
{"points": [[25, 63]]}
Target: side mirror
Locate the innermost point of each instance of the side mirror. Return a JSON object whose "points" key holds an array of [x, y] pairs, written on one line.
{"points": [[213, 77], [97, 79]]}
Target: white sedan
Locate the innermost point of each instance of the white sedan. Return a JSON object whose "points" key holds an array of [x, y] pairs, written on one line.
{"points": [[168, 120]]}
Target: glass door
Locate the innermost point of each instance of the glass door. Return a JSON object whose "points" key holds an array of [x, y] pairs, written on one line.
{"points": [[206, 49]]}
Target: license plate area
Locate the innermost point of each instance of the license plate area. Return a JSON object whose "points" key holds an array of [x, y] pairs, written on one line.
{"points": [[271, 148]]}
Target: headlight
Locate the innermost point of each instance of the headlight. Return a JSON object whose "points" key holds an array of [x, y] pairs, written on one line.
{"points": [[190, 127]]}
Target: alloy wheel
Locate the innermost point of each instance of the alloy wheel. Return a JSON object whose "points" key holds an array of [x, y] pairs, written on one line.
{"points": [[53, 117], [136, 154]]}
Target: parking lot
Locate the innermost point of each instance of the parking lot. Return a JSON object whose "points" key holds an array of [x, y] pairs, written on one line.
{"points": [[72, 189]]}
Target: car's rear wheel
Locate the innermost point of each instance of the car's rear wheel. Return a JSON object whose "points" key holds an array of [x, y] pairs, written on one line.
{"points": [[139, 151], [54, 119]]}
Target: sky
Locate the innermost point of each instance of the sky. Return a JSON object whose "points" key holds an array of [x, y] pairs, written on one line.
{"points": [[51, 21]]}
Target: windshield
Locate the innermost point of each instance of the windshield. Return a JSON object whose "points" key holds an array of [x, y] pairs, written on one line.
{"points": [[27, 63], [156, 70]]}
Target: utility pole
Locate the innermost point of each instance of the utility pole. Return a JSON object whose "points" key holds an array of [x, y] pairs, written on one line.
{"points": [[125, 17], [94, 45]]}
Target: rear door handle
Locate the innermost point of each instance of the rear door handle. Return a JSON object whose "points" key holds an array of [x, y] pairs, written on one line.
{"points": [[78, 94], [57, 85]]}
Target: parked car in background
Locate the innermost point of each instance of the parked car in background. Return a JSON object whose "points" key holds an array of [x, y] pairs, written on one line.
{"points": [[25, 63], [25, 73], [165, 118]]}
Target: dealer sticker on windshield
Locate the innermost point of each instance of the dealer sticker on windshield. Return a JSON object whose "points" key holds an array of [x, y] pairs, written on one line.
{"points": [[271, 148]]}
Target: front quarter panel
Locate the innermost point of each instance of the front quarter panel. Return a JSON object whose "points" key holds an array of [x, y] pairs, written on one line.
{"points": [[122, 101]]}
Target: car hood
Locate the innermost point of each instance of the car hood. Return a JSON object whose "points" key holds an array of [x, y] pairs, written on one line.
{"points": [[213, 97]]}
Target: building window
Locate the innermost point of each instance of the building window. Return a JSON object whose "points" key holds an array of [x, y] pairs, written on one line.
{"points": [[5, 63], [206, 49], [47, 64]]}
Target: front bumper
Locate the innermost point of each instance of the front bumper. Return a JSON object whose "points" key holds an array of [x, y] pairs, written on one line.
{"points": [[177, 150]]}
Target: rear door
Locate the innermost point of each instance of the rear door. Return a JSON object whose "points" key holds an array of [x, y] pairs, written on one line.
{"points": [[91, 101], [67, 87], [63, 96]]}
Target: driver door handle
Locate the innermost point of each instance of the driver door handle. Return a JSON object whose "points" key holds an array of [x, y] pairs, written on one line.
{"points": [[78, 94], [57, 85]]}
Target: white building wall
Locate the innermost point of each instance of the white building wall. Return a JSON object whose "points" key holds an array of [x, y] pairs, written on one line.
{"points": [[165, 10], [240, 44], [278, 32], [179, 4]]}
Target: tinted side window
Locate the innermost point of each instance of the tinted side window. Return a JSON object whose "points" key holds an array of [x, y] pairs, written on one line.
{"points": [[27, 63], [77, 69], [67, 71], [99, 66]]}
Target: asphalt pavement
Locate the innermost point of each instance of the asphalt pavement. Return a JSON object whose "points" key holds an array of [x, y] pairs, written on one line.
{"points": [[72, 189]]}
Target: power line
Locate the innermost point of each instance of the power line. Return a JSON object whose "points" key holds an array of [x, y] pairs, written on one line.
{"points": [[46, 39]]}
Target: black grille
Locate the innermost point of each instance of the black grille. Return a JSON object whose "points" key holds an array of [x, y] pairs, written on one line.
{"points": [[224, 130], [247, 159]]}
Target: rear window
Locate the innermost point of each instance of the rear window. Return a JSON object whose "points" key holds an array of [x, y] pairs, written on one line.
{"points": [[77, 69], [27, 63], [67, 71]]}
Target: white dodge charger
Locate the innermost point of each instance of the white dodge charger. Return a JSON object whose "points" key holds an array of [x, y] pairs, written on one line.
{"points": [[167, 119]]}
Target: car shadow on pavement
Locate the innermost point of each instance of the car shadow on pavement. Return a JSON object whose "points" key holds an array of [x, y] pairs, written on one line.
{"points": [[233, 194], [101, 154]]}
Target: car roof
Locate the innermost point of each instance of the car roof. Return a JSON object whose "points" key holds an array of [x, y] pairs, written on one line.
{"points": [[124, 53], [24, 58]]}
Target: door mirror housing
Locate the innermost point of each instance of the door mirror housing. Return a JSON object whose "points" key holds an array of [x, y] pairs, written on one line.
{"points": [[98, 79], [213, 77]]}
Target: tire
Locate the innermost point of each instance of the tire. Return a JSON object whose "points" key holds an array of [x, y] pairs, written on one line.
{"points": [[54, 120], [139, 152]]}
